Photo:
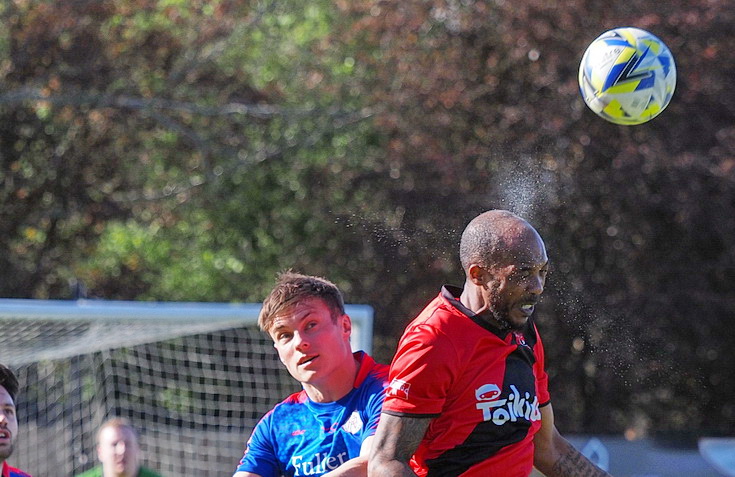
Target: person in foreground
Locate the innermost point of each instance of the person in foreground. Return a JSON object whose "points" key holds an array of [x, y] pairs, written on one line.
{"points": [[118, 451], [8, 420], [327, 428], [468, 394]]}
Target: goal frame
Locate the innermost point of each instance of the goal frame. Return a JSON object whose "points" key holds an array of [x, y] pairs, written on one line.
{"points": [[118, 310], [73, 377]]}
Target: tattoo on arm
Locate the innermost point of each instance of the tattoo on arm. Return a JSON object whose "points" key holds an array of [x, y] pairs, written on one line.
{"points": [[573, 464], [395, 442], [410, 437]]}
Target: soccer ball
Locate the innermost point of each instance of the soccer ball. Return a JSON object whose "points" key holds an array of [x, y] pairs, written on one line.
{"points": [[627, 76]]}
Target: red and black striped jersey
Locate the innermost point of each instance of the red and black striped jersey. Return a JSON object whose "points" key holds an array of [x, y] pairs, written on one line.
{"points": [[481, 386]]}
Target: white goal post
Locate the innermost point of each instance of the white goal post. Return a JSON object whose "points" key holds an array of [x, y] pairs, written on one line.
{"points": [[194, 378]]}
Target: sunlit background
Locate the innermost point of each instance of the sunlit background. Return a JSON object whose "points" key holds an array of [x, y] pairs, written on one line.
{"points": [[186, 150]]}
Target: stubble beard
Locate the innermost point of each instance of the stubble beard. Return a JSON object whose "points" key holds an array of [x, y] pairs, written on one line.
{"points": [[6, 452], [504, 320], [501, 313]]}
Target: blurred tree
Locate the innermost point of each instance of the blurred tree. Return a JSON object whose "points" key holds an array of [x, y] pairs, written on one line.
{"points": [[180, 135]]}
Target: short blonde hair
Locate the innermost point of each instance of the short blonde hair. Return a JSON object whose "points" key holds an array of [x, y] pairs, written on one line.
{"points": [[117, 423], [291, 288]]}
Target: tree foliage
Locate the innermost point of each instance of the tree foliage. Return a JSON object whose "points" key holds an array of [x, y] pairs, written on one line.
{"points": [[189, 150]]}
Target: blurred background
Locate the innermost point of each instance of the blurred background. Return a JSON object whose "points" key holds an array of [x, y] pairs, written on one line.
{"points": [[186, 150]]}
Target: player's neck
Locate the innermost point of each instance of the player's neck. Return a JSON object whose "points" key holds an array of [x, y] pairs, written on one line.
{"points": [[335, 386], [472, 298]]}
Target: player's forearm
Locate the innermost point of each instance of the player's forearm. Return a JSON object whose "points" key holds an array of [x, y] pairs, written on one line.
{"points": [[569, 462], [391, 468]]}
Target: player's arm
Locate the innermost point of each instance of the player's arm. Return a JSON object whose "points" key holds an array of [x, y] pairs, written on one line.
{"points": [[357, 466], [259, 458], [554, 456], [395, 442]]}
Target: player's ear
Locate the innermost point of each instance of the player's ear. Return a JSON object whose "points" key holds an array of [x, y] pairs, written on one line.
{"points": [[346, 323], [476, 274]]}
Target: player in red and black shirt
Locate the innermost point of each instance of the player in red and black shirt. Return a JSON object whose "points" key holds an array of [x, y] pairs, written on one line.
{"points": [[8, 421], [468, 389]]}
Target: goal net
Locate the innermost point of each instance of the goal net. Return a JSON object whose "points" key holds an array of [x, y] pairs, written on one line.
{"points": [[193, 378]]}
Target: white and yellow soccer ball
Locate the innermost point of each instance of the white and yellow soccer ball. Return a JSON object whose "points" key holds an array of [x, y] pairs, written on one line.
{"points": [[627, 76]]}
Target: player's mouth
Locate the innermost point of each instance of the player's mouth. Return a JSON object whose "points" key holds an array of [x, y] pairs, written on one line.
{"points": [[527, 307], [4, 434], [306, 360]]}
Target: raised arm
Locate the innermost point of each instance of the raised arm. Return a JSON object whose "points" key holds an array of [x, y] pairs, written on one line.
{"points": [[554, 456], [395, 442]]}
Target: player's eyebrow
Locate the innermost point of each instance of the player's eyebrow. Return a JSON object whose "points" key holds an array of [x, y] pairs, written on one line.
{"points": [[279, 324], [530, 266]]}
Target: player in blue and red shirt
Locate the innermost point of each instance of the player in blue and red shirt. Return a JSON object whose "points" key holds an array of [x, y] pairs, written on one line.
{"points": [[469, 391], [8, 420], [326, 429], [12, 471]]}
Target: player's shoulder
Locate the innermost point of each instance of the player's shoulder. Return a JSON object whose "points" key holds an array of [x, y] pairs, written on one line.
{"points": [[441, 313], [440, 333], [146, 472], [371, 375], [292, 405], [297, 399], [377, 378], [440, 324], [13, 472]]}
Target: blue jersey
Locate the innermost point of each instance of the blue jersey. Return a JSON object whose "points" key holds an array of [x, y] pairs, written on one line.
{"points": [[302, 437]]}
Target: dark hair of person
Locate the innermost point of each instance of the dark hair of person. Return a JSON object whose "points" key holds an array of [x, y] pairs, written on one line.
{"points": [[9, 381]]}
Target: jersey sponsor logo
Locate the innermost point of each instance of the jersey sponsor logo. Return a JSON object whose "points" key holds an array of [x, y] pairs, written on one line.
{"points": [[318, 464], [520, 339], [353, 424], [398, 388], [499, 411], [487, 392]]}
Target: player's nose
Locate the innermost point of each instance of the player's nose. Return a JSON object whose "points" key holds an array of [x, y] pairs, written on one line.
{"points": [[536, 285], [300, 341]]}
